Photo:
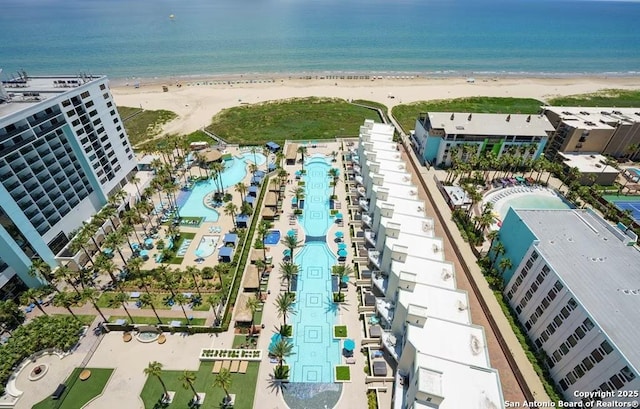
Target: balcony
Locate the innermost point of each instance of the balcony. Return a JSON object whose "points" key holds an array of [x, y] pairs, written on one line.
{"points": [[386, 309], [367, 219], [359, 180], [364, 204], [370, 237], [362, 191], [357, 169], [392, 343], [401, 387], [380, 281], [374, 258]]}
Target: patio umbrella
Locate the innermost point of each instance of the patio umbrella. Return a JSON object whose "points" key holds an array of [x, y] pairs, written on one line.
{"points": [[339, 234], [274, 340], [107, 251], [144, 253], [342, 253], [342, 246], [199, 253], [339, 216], [286, 253], [291, 233], [349, 344], [148, 242]]}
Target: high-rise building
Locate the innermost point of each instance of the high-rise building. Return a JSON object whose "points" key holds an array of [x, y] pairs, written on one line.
{"points": [[63, 153], [573, 283]]}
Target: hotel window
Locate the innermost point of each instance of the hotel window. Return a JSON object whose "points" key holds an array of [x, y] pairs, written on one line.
{"points": [[109, 104], [85, 94], [102, 87], [89, 104], [105, 95]]}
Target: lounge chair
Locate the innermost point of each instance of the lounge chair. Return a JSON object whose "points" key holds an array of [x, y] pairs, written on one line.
{"points": [[217, 365], [235, 365], [243, 366], [226, 364]]}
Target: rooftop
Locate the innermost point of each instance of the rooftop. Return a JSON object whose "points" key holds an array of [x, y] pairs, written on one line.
{"points": [[23, 91], [461, 343], [427, 247], [451, 305], [418, 225], [481, 386], [397, 177], [593, 262], [596, 117], [490, 124], [427, 271], [588, 162], [404, 206]]}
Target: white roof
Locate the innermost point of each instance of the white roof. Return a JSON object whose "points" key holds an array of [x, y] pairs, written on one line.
{"points": [[427, 247], [385, 165], [383, 155], [428, 271], [418, 225], [588, 162], [596, 117], [465, 123], [482, 388], [398, 190], [404, 206], [379, 130], [461, 343], [451, 305], [380, 145], [397, 177]]}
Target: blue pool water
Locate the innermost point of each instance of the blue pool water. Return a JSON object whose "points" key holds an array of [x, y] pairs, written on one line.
{"points": [[315, 351], [192, 202], [634, 170], [533, 201], [272, 238]]}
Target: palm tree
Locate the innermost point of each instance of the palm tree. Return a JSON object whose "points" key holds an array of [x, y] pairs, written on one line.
{"points": [[92, 295], [284, 305], [147, 300], [113, 241], [242, 189], [291, 242], [155, 369], [281, 350], [32, 296], [64, 273], [492, 235], [188, 378], [334, 175], [252, 304], [341, 271], [39, 268], [261, 265], [105, 265], [302, 150], [167, 278], [218, 168], [298, 193], [498, 250], [181, 299], [230, 210], [214, 300], [121, 299], [223, 380], [194, 272], [263, 231], [66, 300], [505, 264], [288, 270]]}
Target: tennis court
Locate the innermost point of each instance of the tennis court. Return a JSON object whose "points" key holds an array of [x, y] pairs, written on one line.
{"points": [[627, 203]]}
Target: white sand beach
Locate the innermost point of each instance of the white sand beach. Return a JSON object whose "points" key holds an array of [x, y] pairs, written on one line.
{"points": [[198, 99]]}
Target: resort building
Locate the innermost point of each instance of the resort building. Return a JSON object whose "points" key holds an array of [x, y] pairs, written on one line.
{"points": [[440, 135], [574, 286], [609, 131], [63, 153], [415, 288], [593, 168]]}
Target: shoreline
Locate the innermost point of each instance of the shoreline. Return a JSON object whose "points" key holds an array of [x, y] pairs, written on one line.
{"points": [[197, 100]]}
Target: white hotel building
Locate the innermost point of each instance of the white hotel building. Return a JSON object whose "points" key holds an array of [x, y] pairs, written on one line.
{"points": [[575, 286], [441, 357], [63, 152]]}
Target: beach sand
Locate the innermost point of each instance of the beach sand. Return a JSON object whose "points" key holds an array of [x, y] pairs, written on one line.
{"points": [[197, 100]]}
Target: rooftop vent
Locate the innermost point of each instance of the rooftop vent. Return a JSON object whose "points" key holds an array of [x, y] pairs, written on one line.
{"points": [[529, 118], [452, 116], [508, 117], [469, 117]]}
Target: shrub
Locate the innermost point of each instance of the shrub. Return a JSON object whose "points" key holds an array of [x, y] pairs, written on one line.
{"points": [[372, 400], [343, 373]]}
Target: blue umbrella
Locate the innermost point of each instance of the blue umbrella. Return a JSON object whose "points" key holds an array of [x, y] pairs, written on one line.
{"points": [[345, 279], [342, 253], [291, 233], [199, 253], [274, 340], [286, 252], [342, 246], [339, 216], [144, 253], [339, 234], [349, 344], [148, 241]]}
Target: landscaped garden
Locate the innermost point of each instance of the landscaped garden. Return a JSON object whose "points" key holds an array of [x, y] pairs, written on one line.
{"points": [[79, 392], [143, 124], [340, 331], [343, 373], [204, 381]]}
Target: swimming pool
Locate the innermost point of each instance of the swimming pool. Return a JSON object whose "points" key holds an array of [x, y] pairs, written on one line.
{"points": [[207, 246], [525, 198], [192, 202], [273, 237], [316, 352]]}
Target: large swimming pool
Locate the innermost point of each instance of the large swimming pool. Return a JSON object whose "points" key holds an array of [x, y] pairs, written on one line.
{"points": [[235, 170], [315, 351], [525, 198]]}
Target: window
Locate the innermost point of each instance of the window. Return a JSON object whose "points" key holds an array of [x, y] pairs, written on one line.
{"points": [[109, 104], [84, 95], [587, 363], [102, 87], [588, 324], [66, 103], [105, 95], [606, 347], [89, 104], [616, 381]]}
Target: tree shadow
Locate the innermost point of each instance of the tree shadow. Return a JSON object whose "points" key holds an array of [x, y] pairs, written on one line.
{"points": [[276, 385]]}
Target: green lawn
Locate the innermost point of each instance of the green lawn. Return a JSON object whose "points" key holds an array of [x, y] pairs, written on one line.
{"points": [[197, 136], [343, 373], [297, 118], [406, 114], [145, 125], [602, 98], [340, 331], [81, 392], [242, 385], [153, 320]]}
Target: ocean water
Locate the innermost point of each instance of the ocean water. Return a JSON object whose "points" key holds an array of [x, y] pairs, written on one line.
{"points": [[137, 38]]}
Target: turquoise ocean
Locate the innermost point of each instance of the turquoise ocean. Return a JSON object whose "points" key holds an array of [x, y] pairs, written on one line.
{"points": [[138, 38]]}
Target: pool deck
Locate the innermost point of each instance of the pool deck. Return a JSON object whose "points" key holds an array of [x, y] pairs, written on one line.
{"points": [[353, 395]]}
